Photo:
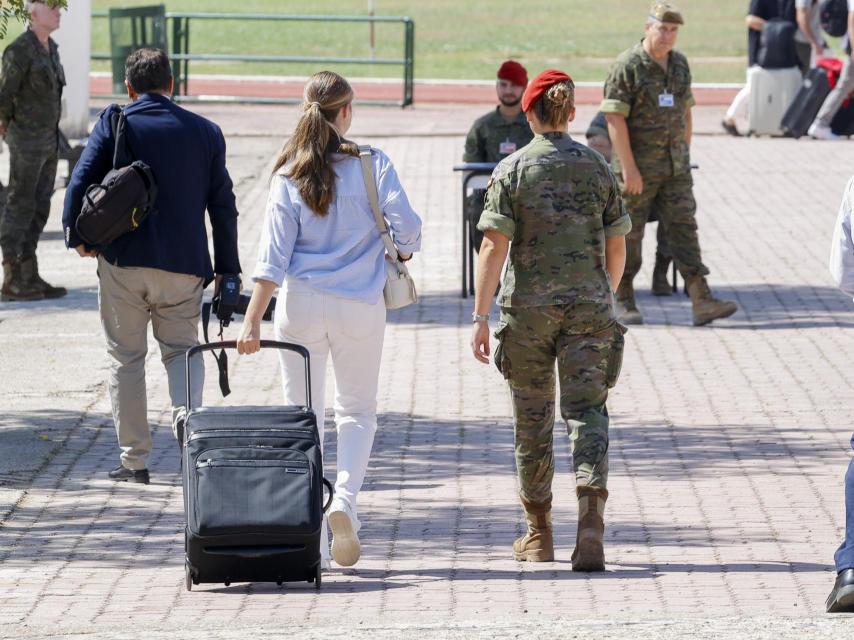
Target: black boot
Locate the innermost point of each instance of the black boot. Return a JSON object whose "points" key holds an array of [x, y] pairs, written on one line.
{"points": [[660, 284], [30, 274]]}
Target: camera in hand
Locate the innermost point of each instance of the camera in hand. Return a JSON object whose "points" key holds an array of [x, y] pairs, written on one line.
{"points": [[230, 300]]}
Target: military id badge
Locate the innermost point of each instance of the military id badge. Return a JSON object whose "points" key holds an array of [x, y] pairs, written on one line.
{"points": [[665, 100], [507, 147]]}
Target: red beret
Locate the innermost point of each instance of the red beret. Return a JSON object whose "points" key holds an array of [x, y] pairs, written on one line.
{"points": [[513, 72], [540, 85]]}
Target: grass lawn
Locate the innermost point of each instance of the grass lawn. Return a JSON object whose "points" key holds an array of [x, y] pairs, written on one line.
{"points": [[458, 38]]}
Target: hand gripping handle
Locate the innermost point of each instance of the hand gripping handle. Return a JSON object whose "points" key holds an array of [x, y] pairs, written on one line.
{"points": [[265, 344]]}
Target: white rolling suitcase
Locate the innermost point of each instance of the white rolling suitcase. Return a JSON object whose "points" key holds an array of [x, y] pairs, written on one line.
{"points": [[771, 93]]}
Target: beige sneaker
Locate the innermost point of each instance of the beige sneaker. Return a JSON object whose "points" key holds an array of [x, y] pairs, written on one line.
{"points": [[346, 548]]}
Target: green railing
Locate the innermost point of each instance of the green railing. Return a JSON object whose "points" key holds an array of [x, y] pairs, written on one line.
{"points": [[181, 56]]}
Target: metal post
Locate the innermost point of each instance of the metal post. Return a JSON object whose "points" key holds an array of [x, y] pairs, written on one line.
{"points": [[409, 63], [373, 29]]}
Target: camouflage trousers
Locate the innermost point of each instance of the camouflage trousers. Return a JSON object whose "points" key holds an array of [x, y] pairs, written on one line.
{"points": [[672, 199], [587, 344], [31, 179]]}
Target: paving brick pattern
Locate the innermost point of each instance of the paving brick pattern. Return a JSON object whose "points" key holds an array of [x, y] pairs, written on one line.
{"points": [[729, 442]]}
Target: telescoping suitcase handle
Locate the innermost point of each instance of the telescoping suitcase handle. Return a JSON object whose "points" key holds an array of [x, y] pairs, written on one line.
{"points": [[265, 344]]}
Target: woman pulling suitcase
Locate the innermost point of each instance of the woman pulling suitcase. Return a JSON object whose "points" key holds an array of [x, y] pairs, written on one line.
{"points": [[321, 246]]}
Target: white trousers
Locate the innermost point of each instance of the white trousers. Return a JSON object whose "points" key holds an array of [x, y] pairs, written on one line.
{"points": [[738, 109], [352, 334]]}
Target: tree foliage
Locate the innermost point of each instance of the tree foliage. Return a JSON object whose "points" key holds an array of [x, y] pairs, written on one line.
{"points": [[17, 9]]}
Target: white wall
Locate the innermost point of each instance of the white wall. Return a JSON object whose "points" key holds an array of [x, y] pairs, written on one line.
{"points": [[75, 44]]}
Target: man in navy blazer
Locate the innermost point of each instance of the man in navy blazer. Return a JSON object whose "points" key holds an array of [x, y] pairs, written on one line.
{"points": [[156, 273]]}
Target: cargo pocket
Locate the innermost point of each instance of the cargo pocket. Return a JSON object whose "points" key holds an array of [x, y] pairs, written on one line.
{"points": [[502, 362], [615, 356]]}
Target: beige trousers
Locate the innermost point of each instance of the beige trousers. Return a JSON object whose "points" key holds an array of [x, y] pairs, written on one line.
{"points": [[128, 298]]}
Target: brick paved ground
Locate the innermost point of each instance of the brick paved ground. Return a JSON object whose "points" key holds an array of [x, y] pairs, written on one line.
{"points": [[729, 444]]}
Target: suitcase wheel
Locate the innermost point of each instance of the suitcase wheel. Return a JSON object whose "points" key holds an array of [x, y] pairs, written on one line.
{"points": [[227, 583], [317, 578]]}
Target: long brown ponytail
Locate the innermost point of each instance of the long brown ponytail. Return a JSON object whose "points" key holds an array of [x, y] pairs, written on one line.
{"points": [[307, 151]]}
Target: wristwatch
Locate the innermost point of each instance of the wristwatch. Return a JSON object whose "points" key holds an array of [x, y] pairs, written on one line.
{"points": [[480, 317]]}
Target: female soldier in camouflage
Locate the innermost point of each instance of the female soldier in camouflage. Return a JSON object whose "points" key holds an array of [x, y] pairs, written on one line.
{"points": [[559, 204]]}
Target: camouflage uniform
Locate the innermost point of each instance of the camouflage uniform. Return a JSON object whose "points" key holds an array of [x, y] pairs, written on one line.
{"points": [[30, 106], [557, 201], [491, 139], [657, 135]]}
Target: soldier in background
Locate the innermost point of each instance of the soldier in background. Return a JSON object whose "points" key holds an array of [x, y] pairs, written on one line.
{"points": [[497, 134], [648, 103], [567, 226], [599, 140], [30, 108]]}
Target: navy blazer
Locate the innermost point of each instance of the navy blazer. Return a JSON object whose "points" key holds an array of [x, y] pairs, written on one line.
{"points": [[186, 153]]}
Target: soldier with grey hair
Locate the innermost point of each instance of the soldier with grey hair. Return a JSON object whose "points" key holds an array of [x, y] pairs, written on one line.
{"points": [[30, 108], [559, 204], [648, 103]]}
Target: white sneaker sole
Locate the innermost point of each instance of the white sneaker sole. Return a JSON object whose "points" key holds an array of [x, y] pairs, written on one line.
{"points": [[345, 542]]}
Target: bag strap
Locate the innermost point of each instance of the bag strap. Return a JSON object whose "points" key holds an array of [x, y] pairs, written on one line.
{"points": [[122, 154], [373, 197]]}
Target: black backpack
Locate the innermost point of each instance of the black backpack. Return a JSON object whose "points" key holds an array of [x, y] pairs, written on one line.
{"points": [[834, 17], [123, 199], [777, 45]]}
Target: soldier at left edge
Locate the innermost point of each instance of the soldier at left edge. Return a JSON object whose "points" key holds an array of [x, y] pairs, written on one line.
{"points": [[30, 107]]}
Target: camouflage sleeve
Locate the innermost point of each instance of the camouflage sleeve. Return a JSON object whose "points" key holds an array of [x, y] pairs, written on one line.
{"points": [[689, 95], [498, 208], [615, 219], [619, 90], [474, 147], [10, 82]]}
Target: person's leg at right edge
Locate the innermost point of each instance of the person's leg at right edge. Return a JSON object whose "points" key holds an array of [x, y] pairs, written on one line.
{"points": [[356, 333], [820, 127], [124, 317], [638, 207], [841, 598]]}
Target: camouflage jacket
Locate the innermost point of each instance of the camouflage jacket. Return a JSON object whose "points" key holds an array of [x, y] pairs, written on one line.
{"points": [[31, 88], [488, 133], [557, 201], [638, 88]]}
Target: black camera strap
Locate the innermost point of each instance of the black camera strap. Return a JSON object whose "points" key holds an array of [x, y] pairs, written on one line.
{"points": [[222, 358]]}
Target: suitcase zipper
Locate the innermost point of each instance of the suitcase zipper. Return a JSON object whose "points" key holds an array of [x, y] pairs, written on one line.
{"points": [[289, 466], [306, 433]]}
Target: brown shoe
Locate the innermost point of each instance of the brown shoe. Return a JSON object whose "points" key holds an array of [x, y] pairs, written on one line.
{"points": [[537, 545], [15, 289], [707, 307], [589, 553], [660, 283], [627, 310], [30, 275]]}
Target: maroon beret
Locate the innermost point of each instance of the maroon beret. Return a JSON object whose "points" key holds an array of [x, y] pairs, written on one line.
{"points": [[513, 72], [540, 85]]}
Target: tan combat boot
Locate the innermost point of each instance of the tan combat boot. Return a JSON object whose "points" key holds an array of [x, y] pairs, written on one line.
{"points": [[30, 275], [589, 554], [707, 307], [660, 284], [537, 545], [627, 310], [14, 287]]}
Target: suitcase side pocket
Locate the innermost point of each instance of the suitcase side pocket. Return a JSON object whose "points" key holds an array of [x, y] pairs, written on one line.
{"points": [[254, 490]]}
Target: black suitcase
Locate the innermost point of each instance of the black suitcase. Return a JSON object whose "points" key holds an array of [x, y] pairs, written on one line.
{"points": [[804, 108], [843, 122], [253, 489]]}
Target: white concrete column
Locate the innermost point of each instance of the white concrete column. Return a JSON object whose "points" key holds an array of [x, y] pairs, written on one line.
{"points": [[74, 38]]}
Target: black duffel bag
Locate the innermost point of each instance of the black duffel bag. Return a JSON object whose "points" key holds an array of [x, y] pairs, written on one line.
{"points": [[123, 199], [777, 45]]}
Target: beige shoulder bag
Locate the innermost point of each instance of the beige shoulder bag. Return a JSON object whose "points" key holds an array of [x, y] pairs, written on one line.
{"points": [[399, 290]]}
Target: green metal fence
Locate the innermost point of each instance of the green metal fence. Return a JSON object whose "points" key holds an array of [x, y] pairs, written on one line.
{"points": [[182, 57]]}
